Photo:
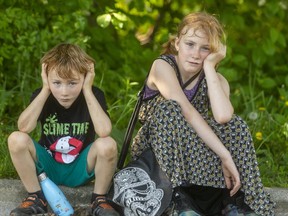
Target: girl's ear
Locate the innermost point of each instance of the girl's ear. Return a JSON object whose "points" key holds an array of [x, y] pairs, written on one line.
{"points": [[176, 44]]}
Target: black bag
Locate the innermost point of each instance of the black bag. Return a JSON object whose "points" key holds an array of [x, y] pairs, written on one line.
{"points": [[142, 188]]}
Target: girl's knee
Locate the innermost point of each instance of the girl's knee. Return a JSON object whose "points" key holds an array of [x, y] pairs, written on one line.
{"points": [[169, 110], [169, 105]]}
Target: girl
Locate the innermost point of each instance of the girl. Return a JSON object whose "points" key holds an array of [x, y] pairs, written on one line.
{"points": [[188, 120]]}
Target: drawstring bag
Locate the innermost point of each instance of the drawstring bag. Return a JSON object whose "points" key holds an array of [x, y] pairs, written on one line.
{"points": [[142, 188]]}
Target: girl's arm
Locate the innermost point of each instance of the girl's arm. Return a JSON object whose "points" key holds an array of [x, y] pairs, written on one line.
{"points": [[101, 121], [163, 78], [28, 118], [218, 87]]}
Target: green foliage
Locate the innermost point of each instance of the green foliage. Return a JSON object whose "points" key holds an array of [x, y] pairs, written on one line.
{"points": [[125, 36]]}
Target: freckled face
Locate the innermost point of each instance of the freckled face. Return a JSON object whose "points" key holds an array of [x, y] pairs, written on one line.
{"points": [[65, 91], [193, 48]]}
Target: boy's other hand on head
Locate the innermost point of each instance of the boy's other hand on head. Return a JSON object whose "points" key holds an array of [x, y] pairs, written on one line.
{"points": [[89, 78], [44, 76]]}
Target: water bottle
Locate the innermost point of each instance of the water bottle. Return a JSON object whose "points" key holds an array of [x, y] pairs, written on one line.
{"points": [[55, 197]]}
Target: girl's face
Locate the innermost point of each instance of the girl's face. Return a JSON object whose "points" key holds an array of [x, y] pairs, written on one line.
{"points": [[65, 91], [193, 47]]}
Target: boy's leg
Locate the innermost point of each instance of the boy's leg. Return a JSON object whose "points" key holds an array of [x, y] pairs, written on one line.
{"points": [[102, 158], [23, 155]]}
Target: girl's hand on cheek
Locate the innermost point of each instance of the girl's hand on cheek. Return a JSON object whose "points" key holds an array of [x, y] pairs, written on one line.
{"points": [[214, 58]]}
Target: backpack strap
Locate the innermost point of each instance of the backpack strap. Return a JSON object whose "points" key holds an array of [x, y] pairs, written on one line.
{"points": [[129, 131]]}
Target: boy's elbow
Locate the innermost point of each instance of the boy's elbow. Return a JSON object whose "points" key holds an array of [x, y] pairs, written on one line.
{"points": [[103, 134], [24, 128], [105, 131]]}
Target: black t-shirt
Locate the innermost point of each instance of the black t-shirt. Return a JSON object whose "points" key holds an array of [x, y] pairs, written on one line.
{"points": [[66, 132]]}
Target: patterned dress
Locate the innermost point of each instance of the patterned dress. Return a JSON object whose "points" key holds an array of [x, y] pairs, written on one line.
{"points": [[183, 155]]}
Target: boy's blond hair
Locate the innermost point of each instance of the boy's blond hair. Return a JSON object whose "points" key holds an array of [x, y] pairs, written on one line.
{"points": [[67, 59]]}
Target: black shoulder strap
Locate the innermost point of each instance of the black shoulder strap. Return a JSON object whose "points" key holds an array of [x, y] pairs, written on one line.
{"points": [[130, 129], [134, 116]]}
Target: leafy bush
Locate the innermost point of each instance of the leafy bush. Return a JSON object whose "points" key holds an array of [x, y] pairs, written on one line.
{"points": [[125, 36]]}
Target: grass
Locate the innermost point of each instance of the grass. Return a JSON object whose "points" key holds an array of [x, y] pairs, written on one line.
{"points": [[265, 115], [267, 119], [6, 167]]}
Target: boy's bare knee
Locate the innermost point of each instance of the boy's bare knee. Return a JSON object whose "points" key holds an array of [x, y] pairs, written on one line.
{"points": [[106, 147], [18, 141]]}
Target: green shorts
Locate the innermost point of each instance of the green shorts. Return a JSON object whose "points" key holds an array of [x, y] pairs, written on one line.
{"points": [[71, 175]]}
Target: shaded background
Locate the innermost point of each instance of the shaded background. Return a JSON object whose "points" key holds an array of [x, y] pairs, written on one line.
{"points": [[124, 36]]}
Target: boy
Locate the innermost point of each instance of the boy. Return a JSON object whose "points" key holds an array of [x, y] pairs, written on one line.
{"points": [[71, 112]]}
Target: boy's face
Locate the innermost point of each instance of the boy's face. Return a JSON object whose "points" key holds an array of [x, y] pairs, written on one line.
{"points": [[65, 91]]}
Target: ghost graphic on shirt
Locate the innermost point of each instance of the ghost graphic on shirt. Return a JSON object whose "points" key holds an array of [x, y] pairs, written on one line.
{"points": [[66, 149]]}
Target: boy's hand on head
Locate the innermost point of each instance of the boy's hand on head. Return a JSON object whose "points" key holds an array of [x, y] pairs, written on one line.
{"points": [[89, 78], [215, 57], [44, 76]]}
